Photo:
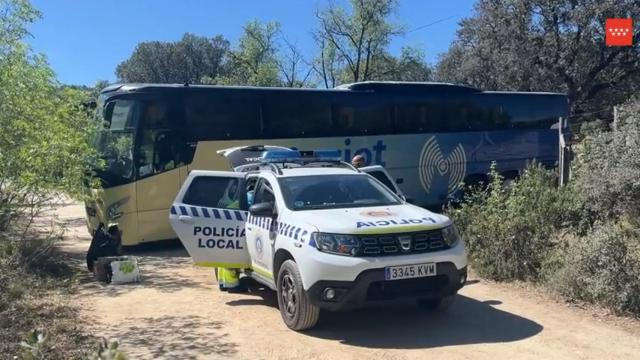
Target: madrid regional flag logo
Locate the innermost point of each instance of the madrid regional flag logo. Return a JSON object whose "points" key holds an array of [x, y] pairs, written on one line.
{"points": [[619, 32]]}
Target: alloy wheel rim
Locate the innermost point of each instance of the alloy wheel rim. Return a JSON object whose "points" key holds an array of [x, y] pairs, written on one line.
{"points": [[289, 298]]}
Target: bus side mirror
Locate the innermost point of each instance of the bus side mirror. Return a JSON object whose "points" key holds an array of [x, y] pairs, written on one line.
{"points": [[107, 112]]}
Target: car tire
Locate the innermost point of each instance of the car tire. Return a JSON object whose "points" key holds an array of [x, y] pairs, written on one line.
{"points": [[298, 313], [442, 303]]}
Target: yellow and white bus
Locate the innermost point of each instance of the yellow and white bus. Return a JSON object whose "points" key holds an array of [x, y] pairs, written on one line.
{"points": [[431, 137]]}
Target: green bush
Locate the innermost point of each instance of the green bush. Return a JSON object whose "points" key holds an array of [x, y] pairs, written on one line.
{"points": [[607, 167], [602, 267], [508, 230]]}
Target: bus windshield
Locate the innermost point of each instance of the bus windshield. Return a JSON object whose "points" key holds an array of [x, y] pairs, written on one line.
{"points": [[116, 149], [334, 192]]}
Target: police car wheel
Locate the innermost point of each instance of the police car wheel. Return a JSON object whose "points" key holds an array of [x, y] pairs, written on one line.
{"points": [[438, 304], [298, 313]]}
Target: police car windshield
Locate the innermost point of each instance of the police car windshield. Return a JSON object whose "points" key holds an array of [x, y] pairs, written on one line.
{"points": [[334, 192]]}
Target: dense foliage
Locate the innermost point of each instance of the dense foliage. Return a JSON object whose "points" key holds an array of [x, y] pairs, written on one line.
{"points": [[190, 59], [353, 42], [508, 230], [44, 153], [541, 45], [583, 240]]}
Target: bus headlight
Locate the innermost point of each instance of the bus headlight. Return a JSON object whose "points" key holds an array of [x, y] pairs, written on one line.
{"points": [[338, 244], [113, 211], [450, 235]]}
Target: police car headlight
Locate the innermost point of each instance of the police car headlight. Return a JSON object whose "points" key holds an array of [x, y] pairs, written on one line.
{"points": [[450, 235], [336, 243]]}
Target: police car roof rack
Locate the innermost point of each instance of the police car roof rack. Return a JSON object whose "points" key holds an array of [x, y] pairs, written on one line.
{"points": [[325, 163], [273, 167]]}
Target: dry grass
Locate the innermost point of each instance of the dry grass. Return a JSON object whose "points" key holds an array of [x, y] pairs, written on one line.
{"points": [[38, 297]]}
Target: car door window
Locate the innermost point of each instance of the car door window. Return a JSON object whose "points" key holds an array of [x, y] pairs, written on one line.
{"points": [[214, 192], [383, 178], [264, 193]]}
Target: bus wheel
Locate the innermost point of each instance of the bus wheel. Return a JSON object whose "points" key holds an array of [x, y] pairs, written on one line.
{"points": [[297, 311]]}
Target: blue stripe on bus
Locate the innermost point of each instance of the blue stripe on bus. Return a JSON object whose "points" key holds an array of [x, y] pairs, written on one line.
{"points": [[238, 215], [173, 210], [216, 213], [227, 214], [194, 211], [205, 212], [183, 210], [295, 236]]}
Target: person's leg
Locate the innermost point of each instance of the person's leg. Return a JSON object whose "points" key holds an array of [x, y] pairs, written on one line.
{"points": [[219, 279], [231, 280], [228, 278]]}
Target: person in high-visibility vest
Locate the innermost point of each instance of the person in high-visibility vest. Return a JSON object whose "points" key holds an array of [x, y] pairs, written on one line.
{"points": [[228, 279]]}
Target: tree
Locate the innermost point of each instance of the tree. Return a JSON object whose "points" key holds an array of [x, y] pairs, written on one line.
{"points": [[295, 71], [409, 66], [541, 45], [45, 137], [189, 60], [353, 45], [355, 39], [14, 16], [255, 60]]}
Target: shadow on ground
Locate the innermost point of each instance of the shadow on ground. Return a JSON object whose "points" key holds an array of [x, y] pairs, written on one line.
{"points": [[160, 265], [181, 337], [469, 321]]}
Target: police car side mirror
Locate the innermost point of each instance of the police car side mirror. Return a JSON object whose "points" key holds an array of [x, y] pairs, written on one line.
{"points": [[263, 209]]}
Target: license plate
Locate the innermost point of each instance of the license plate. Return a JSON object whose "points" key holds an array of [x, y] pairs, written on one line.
{"points": [[409, 271]]}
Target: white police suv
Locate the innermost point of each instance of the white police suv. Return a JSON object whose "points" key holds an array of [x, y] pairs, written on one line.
{"points": [[321, 233]]}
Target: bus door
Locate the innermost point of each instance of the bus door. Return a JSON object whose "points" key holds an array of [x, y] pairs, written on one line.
{"points": [[158, 164]]}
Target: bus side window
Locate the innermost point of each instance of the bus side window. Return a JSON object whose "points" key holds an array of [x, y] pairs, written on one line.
{"points": [[289, 114], [413, 116], [157, 148], [362, 115], [222, 115]]}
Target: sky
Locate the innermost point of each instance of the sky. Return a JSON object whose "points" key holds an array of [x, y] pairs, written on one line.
{"points": [[84, 41]]}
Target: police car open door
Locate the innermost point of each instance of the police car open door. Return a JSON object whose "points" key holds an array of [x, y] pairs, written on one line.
{"points": [[208, 218], [381, 174]]}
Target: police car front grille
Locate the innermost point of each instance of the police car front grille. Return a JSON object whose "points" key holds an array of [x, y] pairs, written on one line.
{"points": [[390, 244]]}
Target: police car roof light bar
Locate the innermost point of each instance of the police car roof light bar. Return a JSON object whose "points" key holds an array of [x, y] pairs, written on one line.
{"points": [[281, 156], [327, 155]]}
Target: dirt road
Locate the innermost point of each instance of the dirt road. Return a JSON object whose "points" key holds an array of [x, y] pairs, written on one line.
{"points": [[177, 313]]}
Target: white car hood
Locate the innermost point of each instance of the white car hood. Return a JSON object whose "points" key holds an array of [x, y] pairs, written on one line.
{"points": [[372, 220]]}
